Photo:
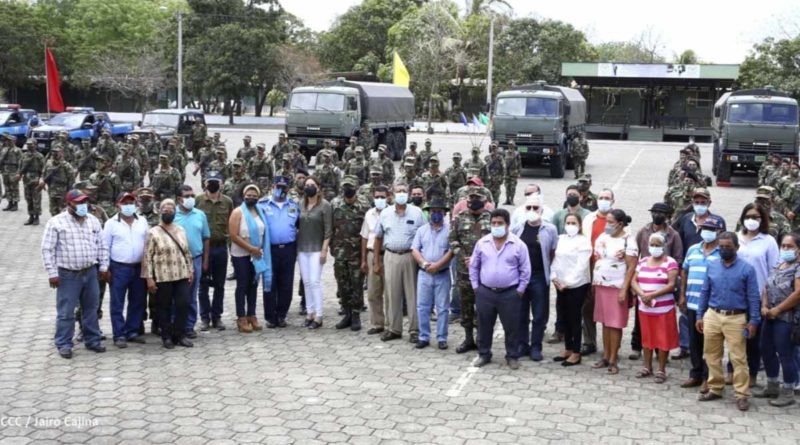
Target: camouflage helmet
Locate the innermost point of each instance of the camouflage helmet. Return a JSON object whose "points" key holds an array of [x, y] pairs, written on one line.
{"points": [[287, 157], [456, 155], [238, 163], [31, 142], [350, 180], [375, 171], [432, 159], [261, 146], [413, 144]]}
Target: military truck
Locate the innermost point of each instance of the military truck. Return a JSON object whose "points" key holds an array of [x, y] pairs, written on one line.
{"points": [[337, 110], [750, 125], [542, 119], [167, 122]]}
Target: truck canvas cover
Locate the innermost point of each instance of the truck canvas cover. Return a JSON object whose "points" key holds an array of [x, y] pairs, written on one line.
{"points": [[382, 102]]}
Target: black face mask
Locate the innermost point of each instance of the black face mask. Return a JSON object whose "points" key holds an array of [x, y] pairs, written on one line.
{"points": [[167, 218], [475, 204], [572, 200], [659, 219], [727, 254], [416, 200], [212, 186], [251, 202], [349, 192], [310, 191]]}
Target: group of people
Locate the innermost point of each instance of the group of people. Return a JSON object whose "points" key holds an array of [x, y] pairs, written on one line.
{"points": [[444, 252]]}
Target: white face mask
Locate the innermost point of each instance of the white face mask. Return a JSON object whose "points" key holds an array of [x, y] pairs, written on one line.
{"points": [[657, 252], [571, 229], [533, 216], [603, 205], [752, 224]]}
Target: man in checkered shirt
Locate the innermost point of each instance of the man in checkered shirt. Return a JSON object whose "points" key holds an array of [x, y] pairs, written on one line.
{"points": [[73, 249]]}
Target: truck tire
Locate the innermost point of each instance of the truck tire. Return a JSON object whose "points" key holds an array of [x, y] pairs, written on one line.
{"points": [[724, 169], [557, 166], [715, 158], [570, 164]]}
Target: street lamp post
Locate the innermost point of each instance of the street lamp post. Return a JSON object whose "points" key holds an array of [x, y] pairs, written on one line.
{"points": [[179, 104], [489, 75]]}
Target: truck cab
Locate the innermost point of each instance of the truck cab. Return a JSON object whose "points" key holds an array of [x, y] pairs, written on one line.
{"points": [[749, 126], [321, 112], [167, 122], [79, 123], [17, 121]]}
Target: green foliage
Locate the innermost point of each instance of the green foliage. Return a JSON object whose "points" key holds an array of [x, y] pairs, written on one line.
{"points": [[275, 98], [773, 62], [687, 57], [626, 52]]}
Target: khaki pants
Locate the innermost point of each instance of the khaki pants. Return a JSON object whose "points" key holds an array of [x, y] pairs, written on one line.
{"points": [[400, 272], [717, 330], [375, 295]]}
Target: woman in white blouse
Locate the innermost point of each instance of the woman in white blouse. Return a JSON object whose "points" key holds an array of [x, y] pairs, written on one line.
{"points": [[570, 276]]}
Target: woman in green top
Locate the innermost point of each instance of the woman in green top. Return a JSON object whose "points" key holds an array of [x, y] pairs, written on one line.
{"points": [[313, 235]]}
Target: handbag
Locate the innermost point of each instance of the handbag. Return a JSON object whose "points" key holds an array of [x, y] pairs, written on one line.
{"points": [[183, 252]]}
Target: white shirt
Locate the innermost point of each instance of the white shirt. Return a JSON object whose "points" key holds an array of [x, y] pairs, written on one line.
{"points": [[126, 241], [571, 263], [368, 228]]}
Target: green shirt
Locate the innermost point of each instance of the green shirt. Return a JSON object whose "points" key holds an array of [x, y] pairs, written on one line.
{"points": [[217, 213]]}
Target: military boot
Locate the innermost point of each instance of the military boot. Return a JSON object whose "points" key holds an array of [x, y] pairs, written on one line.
{"points": [[770, 392], [35, 220], [469, 342], [355, 324], [29, 221], [13, 207], [346, 321], [785, 398]]}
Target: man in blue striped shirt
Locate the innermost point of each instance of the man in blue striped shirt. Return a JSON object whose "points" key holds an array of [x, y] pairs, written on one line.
{"points": [[693, 276]]}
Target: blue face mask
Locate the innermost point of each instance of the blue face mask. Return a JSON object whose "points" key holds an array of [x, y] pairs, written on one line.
{"points": [[278, 193], [700, 209], [709, 236], [128, 209], [437, 217], [401, 198], [788, 256], [82, 210], [188, 203], [380, 203], [498, 231]]}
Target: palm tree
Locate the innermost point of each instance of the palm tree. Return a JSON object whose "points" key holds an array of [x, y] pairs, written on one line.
{"points": [[480, 6]]}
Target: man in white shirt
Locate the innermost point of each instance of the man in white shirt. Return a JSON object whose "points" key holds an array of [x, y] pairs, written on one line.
{"points": [[377, 319], [518, 216], [125, 235]]}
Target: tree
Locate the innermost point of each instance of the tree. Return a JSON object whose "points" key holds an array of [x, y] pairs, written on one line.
{"points": [[687, 57], [275, 98], [624, 52], [140, 75], [773, 62], [478, 7], [23, 56]]}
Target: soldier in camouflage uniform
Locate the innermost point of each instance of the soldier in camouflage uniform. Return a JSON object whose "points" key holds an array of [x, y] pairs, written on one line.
{"points": [[58, 176], [204, 158], [778, 224], [475, 162], [365, 137], [774, 179], [784, 184], [434, 179], [199, 134], [326, 151], [30, 171], [579, 150], [107, 183], [127, 170], [286, 169], [139, 152], [494, 171], [260, 166], [328, 175], [153, 147], [426, 154], [299, 160], [349, 152], [513, 164], [410, 174], [694, 148], [220, 165], [176, 159], [384, 163], [367, 191], [166, 180], [411, 155], [106, 146], [10, 157], [60, 141], [588, 199], [234, 187], [679, 197], [358, 166], [85, 161], [767, 168], [145, 206], [465, 231], [281, 148], [456, 177], [348, 218], [247, 151]]}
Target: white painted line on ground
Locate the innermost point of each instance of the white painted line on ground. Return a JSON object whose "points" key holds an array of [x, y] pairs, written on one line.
{"points": [[465, 377], [628, 169]]}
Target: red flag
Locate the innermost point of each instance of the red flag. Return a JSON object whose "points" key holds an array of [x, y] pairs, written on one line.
{"points": [[54, 100]]}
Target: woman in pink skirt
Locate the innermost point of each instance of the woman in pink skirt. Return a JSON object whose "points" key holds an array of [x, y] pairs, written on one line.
{"points": [[654, 282], [615, 254]]}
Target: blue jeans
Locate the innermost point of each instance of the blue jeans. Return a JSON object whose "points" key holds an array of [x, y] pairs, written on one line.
{"points": [[126, 279], [246, 286], [73, 289], [433, 289], [217, 268], [535, 302], [683, 331], [778, 352], [455, 296], [191, 317]]}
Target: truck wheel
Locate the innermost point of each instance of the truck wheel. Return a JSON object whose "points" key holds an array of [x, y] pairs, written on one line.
{"points": [[570, 164], [557, 166], [715, 159], [724, 169]]}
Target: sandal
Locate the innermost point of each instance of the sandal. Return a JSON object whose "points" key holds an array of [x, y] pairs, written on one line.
{"points": [[644, 372], [603, 363], [613, 369], [661, 377]]}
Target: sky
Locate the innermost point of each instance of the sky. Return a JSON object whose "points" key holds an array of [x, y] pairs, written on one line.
{"points": [[718, 31]]}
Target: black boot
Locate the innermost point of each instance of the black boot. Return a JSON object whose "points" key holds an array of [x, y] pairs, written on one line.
{"points": [[355, 323], [469, 342], [35, 220], [29, 221], [345, 321], [13, 207]]}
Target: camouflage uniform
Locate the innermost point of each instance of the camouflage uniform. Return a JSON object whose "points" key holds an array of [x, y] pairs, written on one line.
{"points": [[176, 159], [414, 158], [426, 154], [85, 161], [328, 178], [778, 224], [384, 163], [349, 152], [107, 147], [434, 179], [475, 162], [365, 137], [166, 181], [30, 171], [11, 156], [281, 148], [60, 143], [58, 175], [493, 173], [146, 208], [153, 146], [326, 151], [234, 186], [260, 165], [139, 152], [127, 170], [108, 186], [410, 175], [588, 199], [513, 168], [220, 165], [298, 159], [199, 134], [247, 151], [346, 249], [358, 166], [579, 150], [366, 191], [456, 177]]}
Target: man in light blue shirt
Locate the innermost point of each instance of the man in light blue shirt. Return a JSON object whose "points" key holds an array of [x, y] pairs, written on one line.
{"points": [[195, 224], [431, 251]]}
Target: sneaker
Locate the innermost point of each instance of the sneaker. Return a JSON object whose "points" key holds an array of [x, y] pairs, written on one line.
{"points": [[218, 325], [204, 325], [635, 355], [121, 343], [191, 334], [65, 353]]}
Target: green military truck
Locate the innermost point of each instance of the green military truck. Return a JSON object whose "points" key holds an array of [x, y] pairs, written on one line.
{"points": [[750, 125], [542, 119], [340, 109]]}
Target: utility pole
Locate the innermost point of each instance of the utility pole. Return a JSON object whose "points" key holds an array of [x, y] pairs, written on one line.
{"points": [[489, 76], [179, 104]]}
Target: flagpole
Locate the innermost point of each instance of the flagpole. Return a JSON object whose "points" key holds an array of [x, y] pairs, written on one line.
{"points": [[46, 80]]}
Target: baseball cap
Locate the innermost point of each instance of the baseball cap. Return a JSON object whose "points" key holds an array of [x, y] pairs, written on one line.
{"points": [[125, 195], [712, 222], [661, 207], [702, 192], [475, 180], [76, 196]]}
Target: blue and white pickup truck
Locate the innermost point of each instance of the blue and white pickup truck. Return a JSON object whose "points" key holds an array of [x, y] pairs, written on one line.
{"points": [[17, 121], [79, 123]]}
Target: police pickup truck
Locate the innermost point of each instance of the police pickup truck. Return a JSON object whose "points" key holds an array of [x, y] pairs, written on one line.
{"points": [[79, 123], [17, 121]]}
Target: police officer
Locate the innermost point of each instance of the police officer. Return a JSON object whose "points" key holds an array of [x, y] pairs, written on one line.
{"points": [[513, 168], [30, 171], [348, 218]]}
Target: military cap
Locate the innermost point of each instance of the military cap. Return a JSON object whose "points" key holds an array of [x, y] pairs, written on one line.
{"points": [[476, 191], [104, 158], [90, 187], [434, 158], [134, 137], [105, 131], [302, 171], [436, 203], [238, 163], [409, 163], [413, 144], [30, 142], [248, 138], [171, 142], [220, 146], [287, 157], [220, 150], [700, 191], [427, 140], [125, 147], [382, 147], [261, 146], [214, 175], [80, 185], [494, 144], [327, 142], [282, 135], [476, 149], [145, 191], [765, 191], [295, 144], [585, 178], [456, 155], [511, 143], [57, 148], [63, 133], [217, 134], [359, 149], [10, 137], [375, 170], [350, 180]]}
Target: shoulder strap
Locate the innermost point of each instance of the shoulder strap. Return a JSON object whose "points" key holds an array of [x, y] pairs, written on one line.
{"points": [[173, 239]]}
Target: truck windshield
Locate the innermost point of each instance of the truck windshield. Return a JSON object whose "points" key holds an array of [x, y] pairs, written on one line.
{"points": [[527, 106], [68, 120], [160, 120], [763, 113], [317, 101]]}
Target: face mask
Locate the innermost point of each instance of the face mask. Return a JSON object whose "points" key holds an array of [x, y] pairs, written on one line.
{"points": [[401, 198], [572, 200], [709, 236], [167, 217], [437, 217], [659, 219], [610, 229], [212, 186], [727, 254], [416, 200], [380, 203], [278, 193], [788, 256], [349, 192], [752, 224], [475, 204], [81, 210], [533, 216], [498, 231], [603, 206], [128, 209], [571, 230], [656, 251], [250, 202], [188, 203], [310, 191], [700, 209]]}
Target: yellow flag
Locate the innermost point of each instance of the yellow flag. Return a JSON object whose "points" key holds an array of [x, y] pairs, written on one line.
{"points": [[401, 76]]}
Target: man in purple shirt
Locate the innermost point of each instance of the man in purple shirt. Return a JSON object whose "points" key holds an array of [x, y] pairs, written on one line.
{"points": [[499, 272]]}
